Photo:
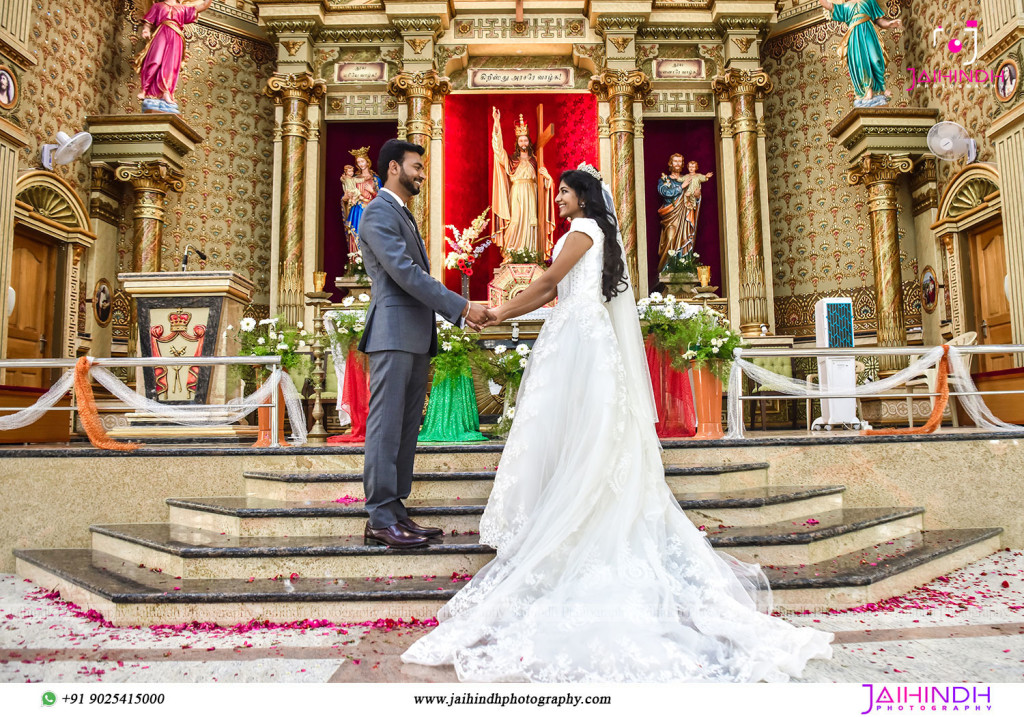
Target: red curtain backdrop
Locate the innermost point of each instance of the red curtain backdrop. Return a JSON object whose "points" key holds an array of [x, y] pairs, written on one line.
{"points": [[694, 139], [342, 137], [468, 157]]}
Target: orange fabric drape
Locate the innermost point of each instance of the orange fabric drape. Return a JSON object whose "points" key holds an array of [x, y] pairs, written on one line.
{"points": [[935, 419], [90, 415]]}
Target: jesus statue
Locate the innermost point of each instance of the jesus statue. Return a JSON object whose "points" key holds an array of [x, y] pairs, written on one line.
{"points": [[521, 194]]}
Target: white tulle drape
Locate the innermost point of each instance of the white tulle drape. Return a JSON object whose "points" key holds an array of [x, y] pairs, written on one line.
{"points": [[33, 413], [198, 415], [960, 382], [339, 353]]}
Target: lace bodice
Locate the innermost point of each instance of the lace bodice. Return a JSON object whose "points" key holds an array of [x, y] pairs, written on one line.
{"points": [[584, 279]]}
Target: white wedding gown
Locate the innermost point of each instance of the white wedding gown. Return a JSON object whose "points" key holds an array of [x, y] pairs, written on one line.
{"points": [[599, 575]]}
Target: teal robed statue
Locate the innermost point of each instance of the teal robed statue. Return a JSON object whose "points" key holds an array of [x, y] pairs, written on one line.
{"points": [[862, 47]]}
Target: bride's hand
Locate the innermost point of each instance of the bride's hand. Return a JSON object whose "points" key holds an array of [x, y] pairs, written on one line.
{"points": [[493, 318]]}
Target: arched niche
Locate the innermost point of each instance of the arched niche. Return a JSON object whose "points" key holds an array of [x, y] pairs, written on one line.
{"points": [[48, 209]]}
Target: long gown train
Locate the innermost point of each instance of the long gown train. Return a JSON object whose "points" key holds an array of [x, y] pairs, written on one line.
{"points": [[599, 575]]}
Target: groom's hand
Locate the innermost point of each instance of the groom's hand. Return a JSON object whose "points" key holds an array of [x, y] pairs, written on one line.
{"points": [[476, 316]]}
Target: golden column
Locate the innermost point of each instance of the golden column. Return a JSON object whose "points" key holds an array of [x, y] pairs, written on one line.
{"points": [[151, 182], [742, 88], [420, 90], [879, 173], [293, 92], [620, 88]]}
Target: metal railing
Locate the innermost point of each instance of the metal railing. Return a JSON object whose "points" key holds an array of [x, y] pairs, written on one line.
{"points": [[274, 362], [816, 352]]}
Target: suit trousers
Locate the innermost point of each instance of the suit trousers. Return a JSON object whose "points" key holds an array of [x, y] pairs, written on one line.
{"points": [[398, 387]]}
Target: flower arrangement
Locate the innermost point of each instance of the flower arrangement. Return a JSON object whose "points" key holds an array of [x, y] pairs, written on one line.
{"points": [[526, 256], [694, 335], [355, 266], [503, 370], [457, 352], [269, 337], [464, 252], [348, 326], [681, 263]]}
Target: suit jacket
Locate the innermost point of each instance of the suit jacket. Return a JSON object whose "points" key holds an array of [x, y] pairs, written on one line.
{"points": [[405, 297]]}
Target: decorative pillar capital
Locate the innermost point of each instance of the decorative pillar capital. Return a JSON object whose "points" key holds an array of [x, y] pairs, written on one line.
{"points": [[735, 83], [302, 87], [428, 85], [873, 168], [609, 84], [151, 176]]}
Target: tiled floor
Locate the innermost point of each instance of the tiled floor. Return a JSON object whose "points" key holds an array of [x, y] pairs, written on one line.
{"points": [[968, 626]]}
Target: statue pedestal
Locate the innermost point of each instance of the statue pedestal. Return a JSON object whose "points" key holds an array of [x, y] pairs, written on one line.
{"points": [[186, 314], [885, 130]]}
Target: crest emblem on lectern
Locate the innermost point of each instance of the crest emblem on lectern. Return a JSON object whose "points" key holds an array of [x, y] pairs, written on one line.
{"points": [[176, 383]]}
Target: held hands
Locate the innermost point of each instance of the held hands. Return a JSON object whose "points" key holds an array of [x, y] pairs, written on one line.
{"points": [[479, 316]]}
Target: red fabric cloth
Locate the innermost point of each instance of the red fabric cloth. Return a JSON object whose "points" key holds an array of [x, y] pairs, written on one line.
{"points": [[355, 397], [673, 397], [467, 142]]}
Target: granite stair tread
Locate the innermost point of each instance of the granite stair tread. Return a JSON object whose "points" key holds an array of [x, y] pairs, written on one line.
{"points": [[122, 582], [189, 542], [331, 477], [878, 562], [255, 507], [808, 529]]}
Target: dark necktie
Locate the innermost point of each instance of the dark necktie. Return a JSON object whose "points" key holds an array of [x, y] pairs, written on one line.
{"points": [[419, 239]]}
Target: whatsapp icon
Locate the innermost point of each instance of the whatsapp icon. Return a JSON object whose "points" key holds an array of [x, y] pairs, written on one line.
{"points": [[49, 699]]}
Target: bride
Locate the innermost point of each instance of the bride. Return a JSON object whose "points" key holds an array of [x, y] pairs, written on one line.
{"points": [[599, 575]]}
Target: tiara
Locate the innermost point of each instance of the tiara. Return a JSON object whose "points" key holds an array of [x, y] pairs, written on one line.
{"points": [[363, 152], [589, 169], [522, 130]]}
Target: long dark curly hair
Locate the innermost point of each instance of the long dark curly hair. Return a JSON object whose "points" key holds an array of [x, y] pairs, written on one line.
{"points": [[588, 190]]}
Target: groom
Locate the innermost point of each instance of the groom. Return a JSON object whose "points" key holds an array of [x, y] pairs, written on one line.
{"points": [[400, 337]]}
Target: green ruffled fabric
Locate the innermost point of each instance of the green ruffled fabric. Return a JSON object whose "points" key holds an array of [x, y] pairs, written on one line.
{"points": [[452, 414]]}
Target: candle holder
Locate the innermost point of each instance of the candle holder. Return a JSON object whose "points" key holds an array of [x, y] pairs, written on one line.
{"points": [[318, 299]]}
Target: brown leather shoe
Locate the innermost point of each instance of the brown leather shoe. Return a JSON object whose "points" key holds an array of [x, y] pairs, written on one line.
{"points": [[394, 536], [415, 529]]}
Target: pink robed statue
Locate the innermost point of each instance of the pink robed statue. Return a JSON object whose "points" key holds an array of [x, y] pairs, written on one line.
{"points": [[159, 63]]}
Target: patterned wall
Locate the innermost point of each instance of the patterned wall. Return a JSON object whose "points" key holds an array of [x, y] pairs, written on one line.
{"points": [[820, 229], [973, 106], [85, 53], [225, 208], [73, 77]]}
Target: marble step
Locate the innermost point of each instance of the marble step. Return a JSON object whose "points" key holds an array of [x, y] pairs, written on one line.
{"points": [[252, 517], [195, 553], [127, 594], [814, 538], [877, 572], [191, 553], [448, 485]]}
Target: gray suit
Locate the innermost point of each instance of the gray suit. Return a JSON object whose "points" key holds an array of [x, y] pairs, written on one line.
{"points": [[400, 337]]}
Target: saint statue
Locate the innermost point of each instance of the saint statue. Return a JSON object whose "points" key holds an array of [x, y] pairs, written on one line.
{"points": [[349, 198], [364, 186], [680, 207], [159, 63], [862, 47], [522, 194]]}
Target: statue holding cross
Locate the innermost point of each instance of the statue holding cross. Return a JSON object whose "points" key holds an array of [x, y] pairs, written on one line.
{"points": [[522, 191]]}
